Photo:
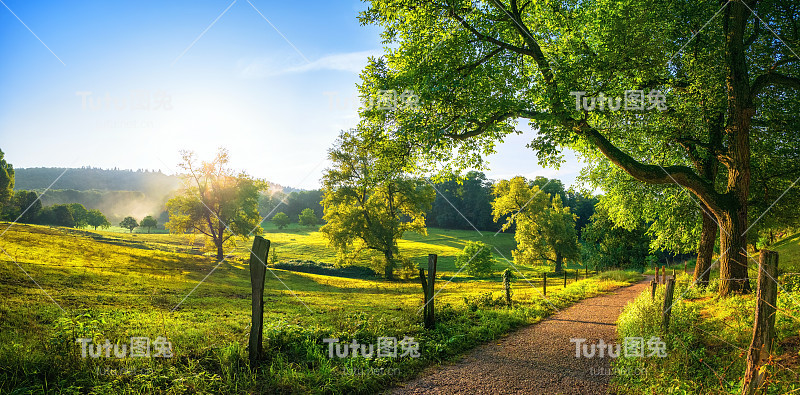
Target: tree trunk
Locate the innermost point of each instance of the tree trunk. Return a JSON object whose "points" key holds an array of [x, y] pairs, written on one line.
{"points": [[705, 250], [220, 253], [733, 261], [559, 261], [389, 268]]}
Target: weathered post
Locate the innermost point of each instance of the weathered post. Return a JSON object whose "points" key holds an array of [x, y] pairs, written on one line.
{"points": [[426, 299], [258, 271], [663, 274], [577, 274], [565, 278], [658, 279], [667, 310], [507, 285], [653, 289], [764, 325], [544, 284]]}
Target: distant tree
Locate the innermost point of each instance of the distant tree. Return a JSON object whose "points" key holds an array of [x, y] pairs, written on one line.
{"points": [[6, 180], [25, 207], [80, 214], [149, 222], [62, 216], [369, 202], [215, 202], [470, 196], [97, 219], [545, 229], [281, 220], [129, 223], [609, 245], [307, 218], [477, 257], [298, 201]]}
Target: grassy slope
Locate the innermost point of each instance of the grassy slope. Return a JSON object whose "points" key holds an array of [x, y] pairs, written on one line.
{"points": [[116, 285], [788, 253], [709, 336]]}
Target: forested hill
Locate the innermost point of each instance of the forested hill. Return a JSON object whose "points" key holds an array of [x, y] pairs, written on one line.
{"points": [[83, 179]]}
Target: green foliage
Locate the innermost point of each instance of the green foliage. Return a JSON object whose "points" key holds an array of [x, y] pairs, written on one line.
{"points": [[307, 218], [96, 219], [25, 207], [791, 282], [129, 223], [281, 220], [705, 342], [80, 214], [6, 180], [477, 258], [545, 230], [149, 222], [214, 202], [369, 203], [607, 245], [470, 196]]}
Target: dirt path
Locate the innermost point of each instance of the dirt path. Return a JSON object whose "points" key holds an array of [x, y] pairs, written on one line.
{"points": [[538, 359]]}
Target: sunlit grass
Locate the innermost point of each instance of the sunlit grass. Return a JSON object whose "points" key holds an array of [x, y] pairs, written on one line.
{"points": [[116, 285]]}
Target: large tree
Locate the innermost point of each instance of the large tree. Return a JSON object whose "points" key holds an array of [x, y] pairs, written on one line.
{"points": [[545, 229], [370, 202], [479, 67], [215, 202]]}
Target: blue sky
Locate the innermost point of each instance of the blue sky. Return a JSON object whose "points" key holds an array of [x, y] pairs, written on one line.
{"points": [[128, 85]]}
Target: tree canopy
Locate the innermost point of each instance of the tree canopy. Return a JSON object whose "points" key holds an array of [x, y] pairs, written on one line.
{"points": [[545, 229], [369, 202], [693, 76]]}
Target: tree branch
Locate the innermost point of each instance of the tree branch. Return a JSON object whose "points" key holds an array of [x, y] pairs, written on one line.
{"points": [[770, 78]]}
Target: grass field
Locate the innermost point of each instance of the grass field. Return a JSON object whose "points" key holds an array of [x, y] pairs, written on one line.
{"points": [[114, 285]]}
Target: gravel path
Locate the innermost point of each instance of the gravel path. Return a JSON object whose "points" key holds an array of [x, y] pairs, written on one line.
{"points": [[538, 359]]}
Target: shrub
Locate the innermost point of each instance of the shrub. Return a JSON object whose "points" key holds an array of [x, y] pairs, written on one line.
{"points": [[477, 257]]}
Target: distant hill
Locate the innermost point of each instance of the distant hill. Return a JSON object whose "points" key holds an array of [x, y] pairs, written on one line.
{"points": [[85, 179], [116, 193]]}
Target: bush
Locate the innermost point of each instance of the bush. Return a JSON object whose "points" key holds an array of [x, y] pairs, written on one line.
{"points": [[791, 282], [280, 220], [477, 257]]}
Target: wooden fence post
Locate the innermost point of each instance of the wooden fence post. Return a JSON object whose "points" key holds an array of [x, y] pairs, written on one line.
{"points": [[577, 275], [426, 298], [565, 278], [658, 279], [653, 289], [663, 274], [667, 309], [544, 284], [764, 324], [507, 285], [258, 271]]}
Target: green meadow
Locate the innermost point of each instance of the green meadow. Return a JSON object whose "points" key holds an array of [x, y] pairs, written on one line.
{"points": [[58, 285]]}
